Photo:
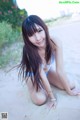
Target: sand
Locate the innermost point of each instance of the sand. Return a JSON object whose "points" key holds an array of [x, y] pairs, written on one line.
{"points": [[14, 96]]}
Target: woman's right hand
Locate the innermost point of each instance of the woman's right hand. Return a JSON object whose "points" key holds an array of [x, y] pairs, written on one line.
{"points": [[52, 103]]}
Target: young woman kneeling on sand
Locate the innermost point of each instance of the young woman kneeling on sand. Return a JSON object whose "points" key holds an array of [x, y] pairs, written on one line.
{"points": [[40, 50]]}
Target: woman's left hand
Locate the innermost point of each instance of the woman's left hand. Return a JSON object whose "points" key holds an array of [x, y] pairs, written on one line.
{"points": [[76, 91]]}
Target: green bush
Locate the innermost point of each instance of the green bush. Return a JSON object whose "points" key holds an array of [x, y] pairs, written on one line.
{"points": [[11, 13], [8, 34]]}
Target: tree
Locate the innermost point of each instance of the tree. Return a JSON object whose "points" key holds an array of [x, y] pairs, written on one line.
{"points": [[11, 13]]}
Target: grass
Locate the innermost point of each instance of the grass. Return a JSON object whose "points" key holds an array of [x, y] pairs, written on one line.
{"points": [[8, 35], [11, 55], [9, 39]]}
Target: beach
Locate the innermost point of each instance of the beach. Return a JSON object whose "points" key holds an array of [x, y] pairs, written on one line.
{"points": [[14, 96]]}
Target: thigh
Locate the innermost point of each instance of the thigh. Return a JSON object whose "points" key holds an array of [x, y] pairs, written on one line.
{"points": [[54, 79]]}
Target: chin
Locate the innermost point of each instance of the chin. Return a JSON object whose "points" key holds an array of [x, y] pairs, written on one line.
{"points": [[41, 46]]}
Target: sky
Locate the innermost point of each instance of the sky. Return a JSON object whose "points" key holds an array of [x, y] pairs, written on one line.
{"points": [[47, 8]]}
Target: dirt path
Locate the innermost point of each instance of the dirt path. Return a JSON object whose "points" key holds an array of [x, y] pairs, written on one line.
{"points": [[14, 97]]}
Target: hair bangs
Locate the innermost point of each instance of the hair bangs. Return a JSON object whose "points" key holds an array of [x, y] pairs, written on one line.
{"points": [[31, 29]]}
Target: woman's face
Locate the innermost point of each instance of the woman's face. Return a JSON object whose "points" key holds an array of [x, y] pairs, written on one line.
{"points": [[38, 38]]}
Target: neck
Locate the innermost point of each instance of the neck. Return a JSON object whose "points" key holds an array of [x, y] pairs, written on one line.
{"points": [[42, 52], [42, 48]]}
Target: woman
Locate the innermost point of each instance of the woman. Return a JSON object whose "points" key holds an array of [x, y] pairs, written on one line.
{"points": [[39, 52]]}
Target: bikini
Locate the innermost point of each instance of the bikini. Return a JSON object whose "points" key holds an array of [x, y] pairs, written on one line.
{"points": [[48, 66]]}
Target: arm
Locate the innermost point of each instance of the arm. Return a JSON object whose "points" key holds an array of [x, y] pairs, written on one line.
{"points": [[59, 66], [46, 84]]}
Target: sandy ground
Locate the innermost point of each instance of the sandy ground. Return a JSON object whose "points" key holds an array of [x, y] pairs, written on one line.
{"points": [[14, 97]]}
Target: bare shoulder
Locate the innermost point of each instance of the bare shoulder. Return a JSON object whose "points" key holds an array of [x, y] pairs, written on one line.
{"points": [[56, 41]]}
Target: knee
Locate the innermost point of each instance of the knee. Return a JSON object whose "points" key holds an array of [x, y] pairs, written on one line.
{"points": [[40, 99]]}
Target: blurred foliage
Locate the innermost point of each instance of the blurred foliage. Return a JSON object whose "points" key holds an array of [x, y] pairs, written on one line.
{"points": [[11, 13], [8, 35]]}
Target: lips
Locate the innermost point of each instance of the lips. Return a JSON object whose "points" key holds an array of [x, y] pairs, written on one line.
{"points": [[39, 42]]}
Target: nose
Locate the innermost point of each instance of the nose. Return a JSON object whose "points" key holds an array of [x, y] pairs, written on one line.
{"points": [[37, 36]]}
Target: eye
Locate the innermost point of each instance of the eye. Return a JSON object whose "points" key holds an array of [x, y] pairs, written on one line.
{"points": [[39, 30]]}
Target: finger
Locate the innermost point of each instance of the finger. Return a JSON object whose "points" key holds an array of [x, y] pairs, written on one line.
{"points": [[53, 105], [78, 93], [75, 94], [50, 105]]}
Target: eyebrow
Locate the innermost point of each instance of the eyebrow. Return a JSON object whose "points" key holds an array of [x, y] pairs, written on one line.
{"points": [[39, 28]]}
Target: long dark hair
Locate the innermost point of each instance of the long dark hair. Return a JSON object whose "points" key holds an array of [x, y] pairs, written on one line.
{"points": [[31, 60]]}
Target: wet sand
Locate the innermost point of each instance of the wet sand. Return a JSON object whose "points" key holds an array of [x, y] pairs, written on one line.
{"points": [[14, 97]]}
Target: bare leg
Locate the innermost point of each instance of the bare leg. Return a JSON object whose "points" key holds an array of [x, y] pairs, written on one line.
{"points": [[38, 97], [54, 80]]}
